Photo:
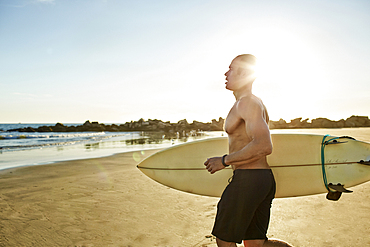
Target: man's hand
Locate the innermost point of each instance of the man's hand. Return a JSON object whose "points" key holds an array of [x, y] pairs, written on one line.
{"points": [[214, 164]]}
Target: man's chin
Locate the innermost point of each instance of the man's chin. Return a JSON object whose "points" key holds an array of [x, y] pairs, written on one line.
{"points": [[228, 88]]}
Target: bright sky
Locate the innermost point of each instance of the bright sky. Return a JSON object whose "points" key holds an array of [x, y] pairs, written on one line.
{"points": [[114, 61]]}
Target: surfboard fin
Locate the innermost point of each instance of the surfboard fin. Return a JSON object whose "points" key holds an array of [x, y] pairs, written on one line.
{"points": [[336, 191], [364, 162]]}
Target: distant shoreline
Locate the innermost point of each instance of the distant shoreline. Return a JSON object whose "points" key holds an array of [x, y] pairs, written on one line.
{"points": [[182, 127]]}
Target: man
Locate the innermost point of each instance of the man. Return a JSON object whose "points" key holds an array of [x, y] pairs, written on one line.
{"points": [[243, 212]]}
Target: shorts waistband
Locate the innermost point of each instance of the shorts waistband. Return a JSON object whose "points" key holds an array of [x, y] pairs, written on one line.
{"points": [[241, 173]]}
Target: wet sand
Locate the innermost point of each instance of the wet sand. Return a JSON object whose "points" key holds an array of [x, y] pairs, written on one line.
{"points": [[109, 202]]}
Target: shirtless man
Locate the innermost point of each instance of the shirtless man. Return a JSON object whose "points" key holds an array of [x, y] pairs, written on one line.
{"points": [[243, 212]]}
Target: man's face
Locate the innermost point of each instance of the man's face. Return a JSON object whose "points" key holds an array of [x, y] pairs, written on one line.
{"points": [[238, 76]]}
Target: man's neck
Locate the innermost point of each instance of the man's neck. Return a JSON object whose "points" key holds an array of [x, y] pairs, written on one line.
{"points": [[243, 92]]}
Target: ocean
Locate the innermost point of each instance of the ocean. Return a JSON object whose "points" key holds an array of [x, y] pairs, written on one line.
{"points": [[37, 148], [15, 141]]}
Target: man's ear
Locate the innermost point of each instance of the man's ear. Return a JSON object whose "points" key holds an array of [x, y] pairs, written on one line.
{"points": [[250, 77], [243, 72]]}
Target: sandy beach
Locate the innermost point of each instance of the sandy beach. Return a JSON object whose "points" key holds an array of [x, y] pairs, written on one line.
{"points": [[109, 202]]}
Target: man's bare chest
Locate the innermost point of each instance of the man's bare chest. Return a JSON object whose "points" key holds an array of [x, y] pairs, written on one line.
{"points": [[233, 122]]}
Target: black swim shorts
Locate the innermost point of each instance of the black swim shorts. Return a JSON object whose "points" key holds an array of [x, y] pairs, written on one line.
{"points": [[243, 212]]}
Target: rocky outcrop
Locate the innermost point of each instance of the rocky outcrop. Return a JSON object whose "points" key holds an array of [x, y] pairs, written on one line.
{"points": [[183, 128], [353, 121]]}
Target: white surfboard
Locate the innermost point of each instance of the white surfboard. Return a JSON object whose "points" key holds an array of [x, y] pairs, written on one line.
{"points": [[303, 164]]}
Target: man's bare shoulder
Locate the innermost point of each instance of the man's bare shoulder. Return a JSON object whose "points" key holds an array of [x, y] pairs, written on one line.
{"points": [[249, 106]]}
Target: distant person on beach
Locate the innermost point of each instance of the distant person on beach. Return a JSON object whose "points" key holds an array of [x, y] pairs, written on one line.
{"points": [[243, 212]]}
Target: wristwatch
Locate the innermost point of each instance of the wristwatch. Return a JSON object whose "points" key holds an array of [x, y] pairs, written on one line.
{"points": [[223, 160]]}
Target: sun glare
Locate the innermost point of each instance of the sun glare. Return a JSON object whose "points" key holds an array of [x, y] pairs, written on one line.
{"points": [[289, 73], [288, 68], [289, 58]]}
